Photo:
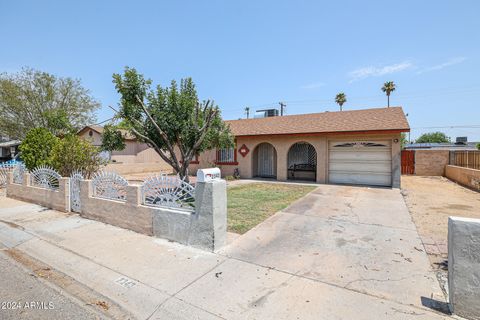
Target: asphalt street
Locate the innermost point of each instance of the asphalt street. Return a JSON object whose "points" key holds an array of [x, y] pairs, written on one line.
{"points": [[24, 296]]}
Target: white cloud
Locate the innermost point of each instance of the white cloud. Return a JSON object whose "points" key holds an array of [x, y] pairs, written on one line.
{"points": [[441, 66], [373, 71], [314, 85]]}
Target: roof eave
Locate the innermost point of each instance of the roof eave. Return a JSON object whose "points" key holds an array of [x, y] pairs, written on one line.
{"points": [[386, 131], [88, 127]]}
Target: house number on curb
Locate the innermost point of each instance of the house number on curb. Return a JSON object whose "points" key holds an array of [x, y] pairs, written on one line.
{"points": [[125, 282]]}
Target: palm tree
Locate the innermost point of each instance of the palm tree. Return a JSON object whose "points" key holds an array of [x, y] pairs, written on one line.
{"points": [[247, 111], [340, 99], [388, 87]]}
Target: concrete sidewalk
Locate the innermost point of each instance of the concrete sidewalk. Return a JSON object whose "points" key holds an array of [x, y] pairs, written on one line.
{"points": [[148, 278]]}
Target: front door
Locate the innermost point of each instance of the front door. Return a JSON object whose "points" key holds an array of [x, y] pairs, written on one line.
{"points": [[267, 160]]}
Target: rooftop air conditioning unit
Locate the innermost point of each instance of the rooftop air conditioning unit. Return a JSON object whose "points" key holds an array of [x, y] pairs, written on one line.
{"points": [[266, 113], [461, 140]]}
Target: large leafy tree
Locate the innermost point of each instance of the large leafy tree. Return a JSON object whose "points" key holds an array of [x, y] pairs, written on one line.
{"points": [[388, 88], [32, 99], [433, 137], [112, 138], [171, 120], [340, 99]]}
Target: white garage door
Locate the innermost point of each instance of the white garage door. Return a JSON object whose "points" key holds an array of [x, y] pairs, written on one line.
{"points": [[360, 162]]}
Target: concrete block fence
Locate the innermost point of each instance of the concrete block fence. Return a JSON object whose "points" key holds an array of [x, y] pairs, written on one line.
{"points": [[465, 176], [204, 228], [54, 199], [431, 162]]}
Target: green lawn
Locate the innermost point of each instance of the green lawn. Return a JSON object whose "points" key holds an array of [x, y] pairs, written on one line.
{"points": [[252, 203]]}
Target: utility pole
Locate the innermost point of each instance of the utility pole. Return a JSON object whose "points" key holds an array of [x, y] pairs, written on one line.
{"points": [[247, 111], [409, 141], [283, 105]]}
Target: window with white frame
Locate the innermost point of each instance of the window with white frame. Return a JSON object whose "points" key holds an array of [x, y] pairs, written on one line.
{"points": [[226, 155]]}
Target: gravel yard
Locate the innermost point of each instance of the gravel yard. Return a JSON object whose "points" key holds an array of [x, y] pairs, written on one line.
{"points": [[431, 200]]}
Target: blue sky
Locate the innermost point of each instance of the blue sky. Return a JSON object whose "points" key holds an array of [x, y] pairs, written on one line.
{"points": [[257, 53]]}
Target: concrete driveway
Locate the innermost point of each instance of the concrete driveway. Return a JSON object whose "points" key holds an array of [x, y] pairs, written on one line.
{"points": [[356, 238]]}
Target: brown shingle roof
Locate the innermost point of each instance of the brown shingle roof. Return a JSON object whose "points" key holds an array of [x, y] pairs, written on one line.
{"points": [[379, 119]]}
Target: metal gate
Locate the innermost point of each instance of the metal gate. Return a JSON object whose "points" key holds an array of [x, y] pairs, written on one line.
{"points": [[75, 202], [266, 161], [408, 161]]}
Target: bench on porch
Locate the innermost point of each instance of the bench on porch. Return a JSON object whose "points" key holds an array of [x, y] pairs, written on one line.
{"points": [[302, 171]]}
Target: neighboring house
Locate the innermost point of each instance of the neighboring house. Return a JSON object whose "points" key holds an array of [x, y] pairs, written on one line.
{"points": [[6, 149], [134, 152], [442, 146], [346, 147]]}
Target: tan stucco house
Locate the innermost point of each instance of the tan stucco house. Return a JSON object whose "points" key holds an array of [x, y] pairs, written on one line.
{"points": [[347, 147], [134, 152]]}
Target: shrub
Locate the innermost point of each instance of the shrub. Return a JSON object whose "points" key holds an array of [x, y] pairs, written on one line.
{"points": [[37, 147], [73, 153]]}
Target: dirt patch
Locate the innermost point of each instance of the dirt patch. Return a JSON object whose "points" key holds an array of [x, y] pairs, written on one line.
{"points": [[459, 207], [431, 200]]}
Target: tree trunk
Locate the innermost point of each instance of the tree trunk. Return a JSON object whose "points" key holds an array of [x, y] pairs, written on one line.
{"points": [[388, 100], [183, 173]]}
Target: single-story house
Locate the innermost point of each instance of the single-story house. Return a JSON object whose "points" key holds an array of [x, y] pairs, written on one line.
{"points": [[134, 152], [7, 147], [346, 147]]}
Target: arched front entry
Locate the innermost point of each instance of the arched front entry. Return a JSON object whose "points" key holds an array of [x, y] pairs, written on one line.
{"points": [[302, 162], [264, 161]]}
